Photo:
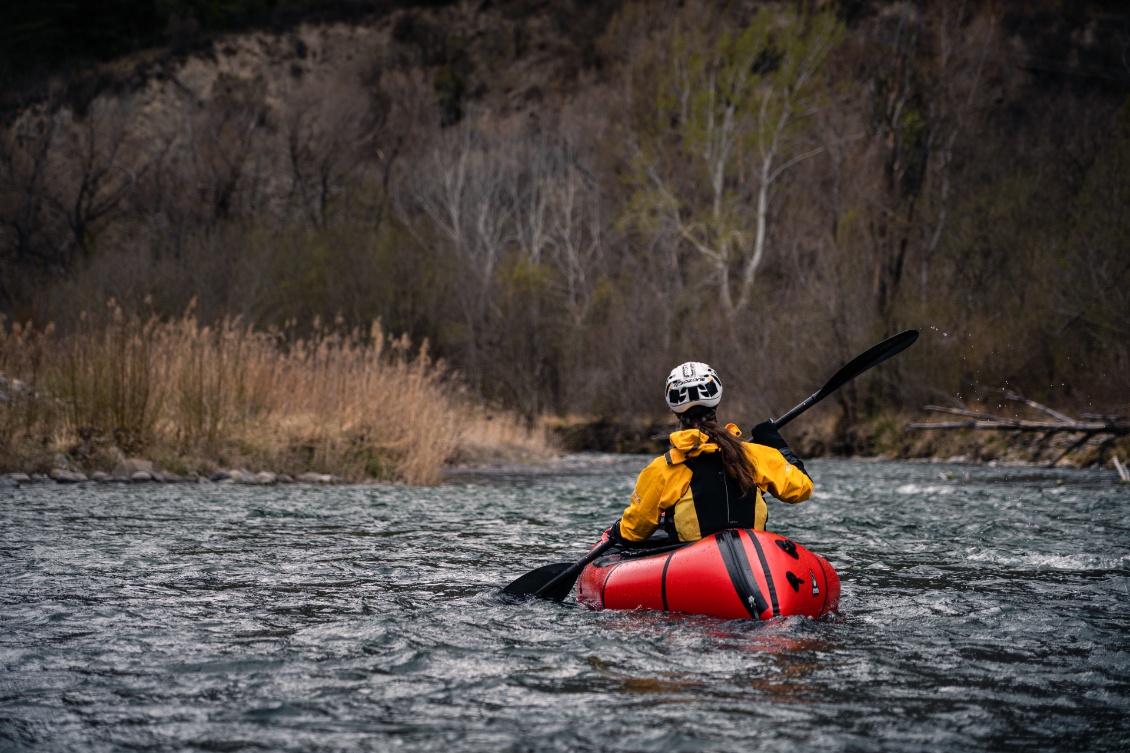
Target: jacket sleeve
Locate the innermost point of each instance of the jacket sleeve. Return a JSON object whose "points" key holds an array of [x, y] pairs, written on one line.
{"points": [[641, 516], [779, 477]]}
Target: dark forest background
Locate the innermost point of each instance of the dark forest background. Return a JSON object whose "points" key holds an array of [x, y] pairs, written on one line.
{"points": [[565, 199]]}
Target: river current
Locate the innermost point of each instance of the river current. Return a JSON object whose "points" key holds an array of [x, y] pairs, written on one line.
{"points": [[983, 609]]}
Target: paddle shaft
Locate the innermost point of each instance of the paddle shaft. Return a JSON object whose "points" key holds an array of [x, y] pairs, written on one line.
{"points": [[873, 356]]}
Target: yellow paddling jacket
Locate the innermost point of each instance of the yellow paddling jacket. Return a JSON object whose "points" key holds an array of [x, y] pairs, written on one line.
{"points": [[691, 479]]}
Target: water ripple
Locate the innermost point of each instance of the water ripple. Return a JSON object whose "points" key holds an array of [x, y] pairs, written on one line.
{"points": [[983, 610]]}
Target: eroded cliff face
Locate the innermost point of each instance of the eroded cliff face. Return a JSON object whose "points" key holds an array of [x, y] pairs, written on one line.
{"points": [[265, 113], [274, 66], [527, 56], [249, 121], [504, 55]]}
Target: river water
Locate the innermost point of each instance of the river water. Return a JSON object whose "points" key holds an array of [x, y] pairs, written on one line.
{"points": [[983, 609]]}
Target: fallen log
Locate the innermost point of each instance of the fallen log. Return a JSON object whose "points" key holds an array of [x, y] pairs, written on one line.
{"points": [[996, 422], [1094, 426]]}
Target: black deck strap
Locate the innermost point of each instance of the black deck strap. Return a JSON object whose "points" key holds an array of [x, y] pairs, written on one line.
{"points": [[823, 572], [741, 575], [663, 580], [768, 573]]}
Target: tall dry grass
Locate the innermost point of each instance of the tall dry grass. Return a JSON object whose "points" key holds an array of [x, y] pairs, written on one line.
{"points": [[193, 397]]}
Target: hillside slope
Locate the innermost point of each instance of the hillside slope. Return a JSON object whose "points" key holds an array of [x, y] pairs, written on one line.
{"points": [[566, 198]]}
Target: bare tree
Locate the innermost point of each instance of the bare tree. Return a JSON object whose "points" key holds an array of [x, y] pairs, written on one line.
{"points": [[222, 145], [95, 168], [24, 155], [922, 105], [963, 48], [464, 190], [328, 134], [577, 230], [31, 231], [738, 104]]}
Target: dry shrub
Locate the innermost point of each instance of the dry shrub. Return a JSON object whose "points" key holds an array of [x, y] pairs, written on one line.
{"points": [[191, 396], [24, 413], [495, 435]]}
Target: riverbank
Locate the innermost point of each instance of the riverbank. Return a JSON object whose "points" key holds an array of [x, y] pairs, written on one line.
{"points": [[177, 400], [193, 400], [885, 437]]}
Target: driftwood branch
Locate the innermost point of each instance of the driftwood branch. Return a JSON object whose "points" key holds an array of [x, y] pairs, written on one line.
{"points": [[1093, 426], [983, 421], [1094, 423], [1123, 472], [1010, 395]]}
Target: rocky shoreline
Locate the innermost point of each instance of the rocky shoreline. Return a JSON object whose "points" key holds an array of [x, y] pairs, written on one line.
{"points": [[613, 439], [138, 471]]}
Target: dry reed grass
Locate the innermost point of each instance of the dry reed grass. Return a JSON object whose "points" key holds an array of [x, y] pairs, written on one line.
{"points": [[194, 397]]}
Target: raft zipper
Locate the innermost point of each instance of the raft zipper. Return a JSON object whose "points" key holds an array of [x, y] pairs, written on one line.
{"points": [[741, 574]]}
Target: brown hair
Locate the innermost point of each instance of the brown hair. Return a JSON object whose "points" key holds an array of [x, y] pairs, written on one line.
{"points": [[734, 458]]}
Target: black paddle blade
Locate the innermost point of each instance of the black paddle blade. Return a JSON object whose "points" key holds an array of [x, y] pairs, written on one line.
{"points": [[555, 581], [873, 356], [528, 584], [562, 586]]}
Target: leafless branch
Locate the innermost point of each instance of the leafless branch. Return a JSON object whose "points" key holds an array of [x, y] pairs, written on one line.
{"points": [[1089, 430]]}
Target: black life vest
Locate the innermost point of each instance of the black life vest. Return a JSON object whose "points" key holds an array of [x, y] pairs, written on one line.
{"points": [[718, 500]]}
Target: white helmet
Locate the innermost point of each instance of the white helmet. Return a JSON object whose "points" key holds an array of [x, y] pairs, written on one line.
{"points": [[692, 384]]}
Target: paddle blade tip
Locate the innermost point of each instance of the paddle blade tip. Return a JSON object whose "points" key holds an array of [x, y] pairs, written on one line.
{"points": [[527, 586]]}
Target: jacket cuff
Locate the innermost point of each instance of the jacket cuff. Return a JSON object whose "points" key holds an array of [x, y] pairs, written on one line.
{"points": [[793, 459]]}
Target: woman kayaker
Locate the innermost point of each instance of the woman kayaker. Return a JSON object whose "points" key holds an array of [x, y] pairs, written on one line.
{"points": [[710, 479]]}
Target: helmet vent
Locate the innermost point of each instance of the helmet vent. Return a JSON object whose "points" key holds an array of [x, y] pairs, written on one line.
{"points": [[692, 383]]}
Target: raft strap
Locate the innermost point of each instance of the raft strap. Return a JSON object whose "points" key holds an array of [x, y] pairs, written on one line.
{"points": [[765, 569], [663, 580]]}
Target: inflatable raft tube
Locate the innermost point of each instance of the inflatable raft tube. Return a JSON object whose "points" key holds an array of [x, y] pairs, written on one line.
{"points": [[738, 573]]}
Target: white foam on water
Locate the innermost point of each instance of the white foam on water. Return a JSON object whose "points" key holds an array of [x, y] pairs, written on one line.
{"points": [[915, 489], [1048, 561]]}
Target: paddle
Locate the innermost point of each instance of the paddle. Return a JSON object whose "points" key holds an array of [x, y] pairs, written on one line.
{"points": [[873, 356], [556, 581]]}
